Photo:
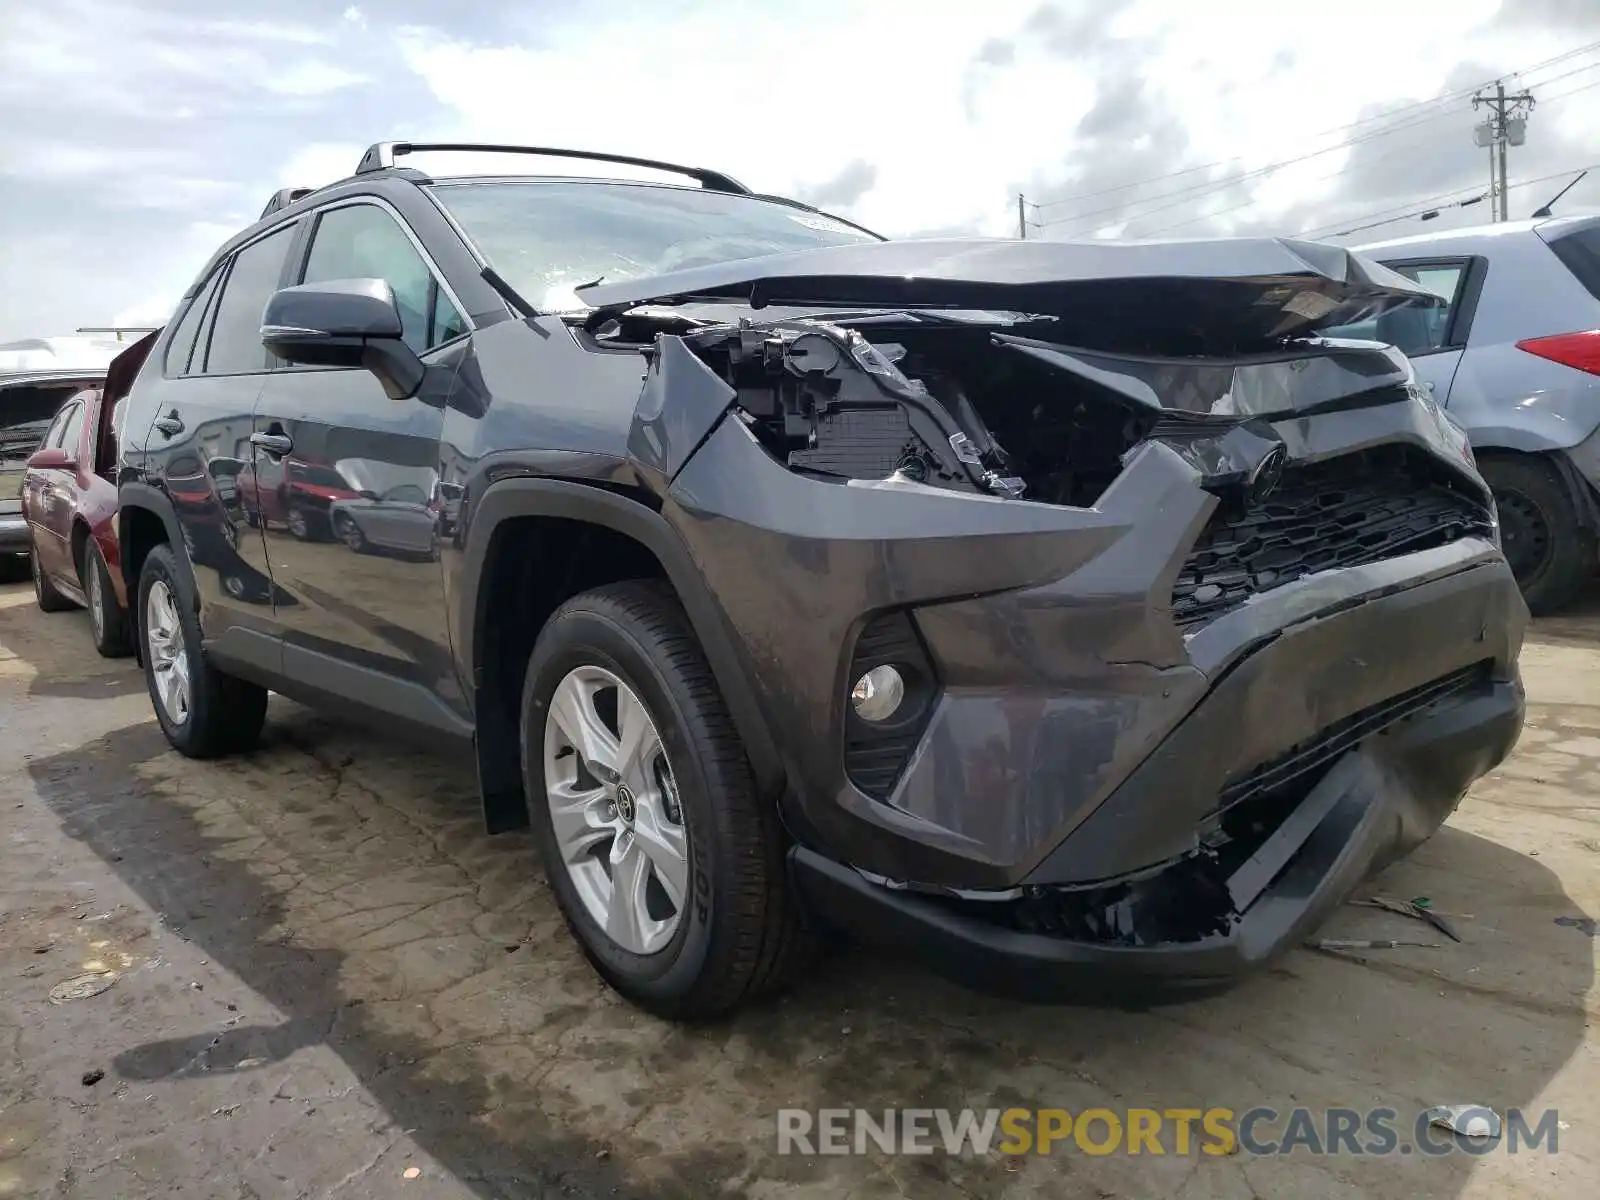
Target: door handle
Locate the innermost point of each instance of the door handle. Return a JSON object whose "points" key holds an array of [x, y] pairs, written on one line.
{"points": [[171, 424], [276, 445]]}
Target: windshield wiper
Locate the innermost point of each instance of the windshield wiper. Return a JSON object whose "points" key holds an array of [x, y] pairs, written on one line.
{"points": [[508, 293]]}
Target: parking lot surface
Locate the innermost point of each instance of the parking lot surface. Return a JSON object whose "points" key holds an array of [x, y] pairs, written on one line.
{"points": [[307, 972]]}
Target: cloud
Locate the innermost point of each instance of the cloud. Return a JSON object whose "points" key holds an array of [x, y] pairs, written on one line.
{"points": [[854, 181], [136, 134]]}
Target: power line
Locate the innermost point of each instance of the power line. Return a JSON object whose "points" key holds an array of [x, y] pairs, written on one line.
{"points": [[1432, 103], [1196, 190], [1427, 207], [1410, 147], [1336, 174]]}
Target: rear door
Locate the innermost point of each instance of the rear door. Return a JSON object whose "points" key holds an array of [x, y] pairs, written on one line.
{"points": [[204, 405], [361, 616]]}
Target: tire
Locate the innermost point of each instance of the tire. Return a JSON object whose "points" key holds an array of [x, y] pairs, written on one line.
{"points": [[737, 935], [348, 532], [223, 714], [1551, 552], [108, 622], [300, 525], [49, 598]]}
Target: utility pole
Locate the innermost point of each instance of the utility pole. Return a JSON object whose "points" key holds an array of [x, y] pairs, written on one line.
{"points": [[1022, 217], [1507, 125]]}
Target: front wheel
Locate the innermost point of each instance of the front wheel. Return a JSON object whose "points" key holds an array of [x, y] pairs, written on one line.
{"points": [[107, 620], [203, 712], [1550, 550], [666, 864]]}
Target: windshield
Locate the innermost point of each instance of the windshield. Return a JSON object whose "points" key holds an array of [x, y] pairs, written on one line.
{"points": [[545, 237]]}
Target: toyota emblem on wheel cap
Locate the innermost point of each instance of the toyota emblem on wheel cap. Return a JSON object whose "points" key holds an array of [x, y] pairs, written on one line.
{"points": [[1268, 473], [625, 804]]}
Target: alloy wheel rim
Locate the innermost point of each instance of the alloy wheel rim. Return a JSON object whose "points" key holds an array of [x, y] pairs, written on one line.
{"points": [[614, 808], [169, 660]]}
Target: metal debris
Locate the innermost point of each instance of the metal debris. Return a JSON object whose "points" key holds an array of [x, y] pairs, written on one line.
{"points": [[1469, 1120], [81, 987], [1414, 909]]}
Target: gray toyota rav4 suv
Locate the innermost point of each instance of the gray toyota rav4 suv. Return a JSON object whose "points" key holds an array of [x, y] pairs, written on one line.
{"points": [[1072, 616]]}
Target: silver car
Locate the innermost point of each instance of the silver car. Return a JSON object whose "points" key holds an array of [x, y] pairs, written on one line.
{"points": [[1515, 358]]}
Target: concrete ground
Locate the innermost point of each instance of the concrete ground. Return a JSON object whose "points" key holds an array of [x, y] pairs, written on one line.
{"points": [[308, 973]]}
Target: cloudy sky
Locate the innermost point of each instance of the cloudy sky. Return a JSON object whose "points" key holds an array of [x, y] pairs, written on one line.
{"points": [[137, 134]]}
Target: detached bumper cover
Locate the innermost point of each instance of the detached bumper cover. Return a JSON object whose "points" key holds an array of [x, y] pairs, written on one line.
{"points": [[1376, 803]]}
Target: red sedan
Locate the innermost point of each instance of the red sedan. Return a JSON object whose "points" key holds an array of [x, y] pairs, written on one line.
{"points": [[69, 499]]}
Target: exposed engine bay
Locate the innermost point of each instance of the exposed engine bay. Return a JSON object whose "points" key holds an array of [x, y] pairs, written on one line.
{"points": [[941, 405], [980, 405]]}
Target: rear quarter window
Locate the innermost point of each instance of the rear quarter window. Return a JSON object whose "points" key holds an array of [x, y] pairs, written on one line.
{"points": [[1579, 252]]}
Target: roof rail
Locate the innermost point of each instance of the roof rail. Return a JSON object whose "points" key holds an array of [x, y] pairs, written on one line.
{"points": [[381, 155], [282, 198]]}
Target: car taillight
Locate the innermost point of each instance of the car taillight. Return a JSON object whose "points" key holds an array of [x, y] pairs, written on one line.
{"points": [[1580, 350]]}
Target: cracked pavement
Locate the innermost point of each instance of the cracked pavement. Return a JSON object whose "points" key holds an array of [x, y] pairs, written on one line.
{"points": [[323, 974]]}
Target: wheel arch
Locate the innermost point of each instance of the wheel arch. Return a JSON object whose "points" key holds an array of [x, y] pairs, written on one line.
{"points": [[146, 519], [512, 510], [79, 539], [1584, 501]]}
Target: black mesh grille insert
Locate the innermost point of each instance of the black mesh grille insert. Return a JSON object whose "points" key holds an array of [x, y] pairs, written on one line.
{"points": [[1342, 512]]}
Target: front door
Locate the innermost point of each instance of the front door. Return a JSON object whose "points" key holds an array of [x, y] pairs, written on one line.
{"points": [[51, 502], [334, 459]]}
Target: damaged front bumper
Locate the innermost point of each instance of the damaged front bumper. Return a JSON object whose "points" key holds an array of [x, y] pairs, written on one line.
{"points": [[1190, 639], [1279, 846]]}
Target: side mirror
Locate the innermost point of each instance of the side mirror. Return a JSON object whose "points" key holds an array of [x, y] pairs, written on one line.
{"points": [[53, 459], [343, 323]]}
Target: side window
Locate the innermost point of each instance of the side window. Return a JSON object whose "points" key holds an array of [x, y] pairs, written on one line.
{"points": [[1414, 330], [180, 350], [447, 322], [362, 241], [52, 435], [71, 430], [235, 345]]}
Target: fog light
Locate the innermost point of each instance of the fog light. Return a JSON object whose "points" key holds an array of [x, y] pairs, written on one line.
{"points": [[877, 694]]}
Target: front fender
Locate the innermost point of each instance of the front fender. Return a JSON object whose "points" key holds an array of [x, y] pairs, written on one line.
{"points": [[506, 499]]}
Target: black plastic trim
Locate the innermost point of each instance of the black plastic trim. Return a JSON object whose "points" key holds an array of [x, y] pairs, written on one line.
{"points": [[152, 499], [529, 497]]}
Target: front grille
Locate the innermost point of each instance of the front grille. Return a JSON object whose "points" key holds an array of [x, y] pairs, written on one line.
{"points": [[1330, 742], [1342, 512]]}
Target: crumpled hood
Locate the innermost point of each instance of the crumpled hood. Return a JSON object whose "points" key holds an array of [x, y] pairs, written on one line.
{"points": [[1189, 295]]}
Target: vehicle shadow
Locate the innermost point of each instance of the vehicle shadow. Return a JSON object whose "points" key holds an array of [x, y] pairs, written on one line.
{"points": [[346, 880]]}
